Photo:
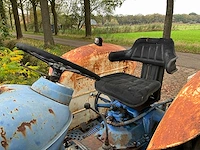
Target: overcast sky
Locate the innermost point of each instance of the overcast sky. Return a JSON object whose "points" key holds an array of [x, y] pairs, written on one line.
{"points": [[134, 7]]}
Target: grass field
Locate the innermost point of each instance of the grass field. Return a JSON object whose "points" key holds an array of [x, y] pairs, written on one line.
{"points": [[186, 36], [185, 40]]}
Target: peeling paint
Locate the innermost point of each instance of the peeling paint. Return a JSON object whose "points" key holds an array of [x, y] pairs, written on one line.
{"points": [[4, 89], [22, 127], [51, 111], [4, 142]]}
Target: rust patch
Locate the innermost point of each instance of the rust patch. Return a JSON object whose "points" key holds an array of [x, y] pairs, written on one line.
{"points": [[181, 122], [4, 142], [22, 127], [4, 89], [95, 59], [118, 139], [82, 53], [51, 112], [91, 143]]}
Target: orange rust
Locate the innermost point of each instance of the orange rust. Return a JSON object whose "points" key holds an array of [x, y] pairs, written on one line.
{"points": [[4, 142], [95, 59], [87, 56], [117, 138], [82, 53], [181, 122], [51, 111], [4, 89], [92, 143], [22, 127]]}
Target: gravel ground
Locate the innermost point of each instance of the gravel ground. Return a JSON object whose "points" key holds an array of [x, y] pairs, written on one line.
{"points": [[172, 83]]}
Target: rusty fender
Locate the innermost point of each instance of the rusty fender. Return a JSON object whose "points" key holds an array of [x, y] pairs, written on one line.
{"points": [[181, 122]]}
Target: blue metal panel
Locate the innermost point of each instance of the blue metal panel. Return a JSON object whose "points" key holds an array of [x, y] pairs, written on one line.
{"points": [[29, 120], [54, 91], [152, 118]]}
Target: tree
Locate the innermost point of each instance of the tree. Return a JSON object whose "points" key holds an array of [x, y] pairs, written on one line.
{"points": [[192, 13], [168, 19], [16, 18], [48, 38], [3, 24], [10, 15], [88, 31], [98, 6], [2, 13], [7, 6], [34, 4], [105, 6], [55, 18], [23, 17], [76, 9]]}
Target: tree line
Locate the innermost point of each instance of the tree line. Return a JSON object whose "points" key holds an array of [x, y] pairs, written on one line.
{"points": [[48, 12], [48, 15], [156, 18]]}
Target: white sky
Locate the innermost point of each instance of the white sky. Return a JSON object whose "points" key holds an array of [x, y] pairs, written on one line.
{"points": [[134, 7]]}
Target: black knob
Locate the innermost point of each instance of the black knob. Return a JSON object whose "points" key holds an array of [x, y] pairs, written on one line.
{"points": [[87, 105]]}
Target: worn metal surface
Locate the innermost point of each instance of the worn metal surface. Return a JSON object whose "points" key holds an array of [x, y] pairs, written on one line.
{"points": [[92, 143], [55, 91], [4, 89], [181, 122], [94, 58], [29, 120]]}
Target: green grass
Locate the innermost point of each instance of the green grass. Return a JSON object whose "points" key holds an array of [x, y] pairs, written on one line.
{"points": [[185, 40], [128, 38], [185, 36], [56, 49]]}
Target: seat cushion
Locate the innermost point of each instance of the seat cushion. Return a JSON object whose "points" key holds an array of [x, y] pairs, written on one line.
{"points": [[129, 90]]}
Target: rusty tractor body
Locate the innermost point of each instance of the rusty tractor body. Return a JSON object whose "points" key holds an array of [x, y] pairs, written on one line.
{"points": [[93, 100]]}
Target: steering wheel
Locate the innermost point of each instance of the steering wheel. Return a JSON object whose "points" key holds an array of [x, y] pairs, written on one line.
{"points": [[56, 62]]}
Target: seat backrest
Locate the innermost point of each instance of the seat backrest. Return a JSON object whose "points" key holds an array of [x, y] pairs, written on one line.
{"points": [[156, 55]]}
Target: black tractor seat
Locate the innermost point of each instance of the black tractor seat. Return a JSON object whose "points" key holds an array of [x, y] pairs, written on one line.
{"points": [[156, 55], [131, 90]]}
